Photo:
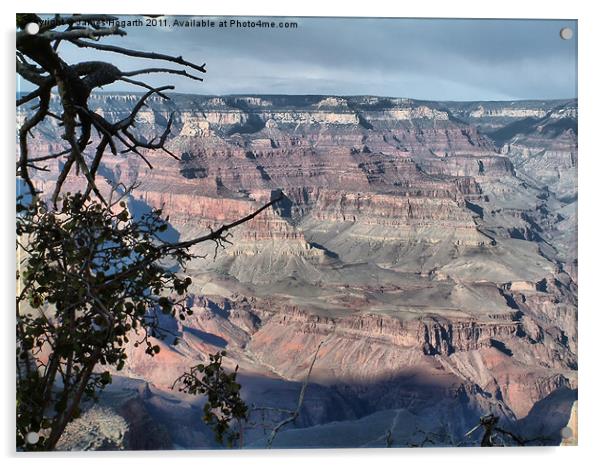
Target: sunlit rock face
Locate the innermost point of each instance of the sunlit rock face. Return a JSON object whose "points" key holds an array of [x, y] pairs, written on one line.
{"points": [[430, 247]]}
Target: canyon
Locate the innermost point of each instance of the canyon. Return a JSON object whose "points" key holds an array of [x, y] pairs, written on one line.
{"points": [[428, 249]]}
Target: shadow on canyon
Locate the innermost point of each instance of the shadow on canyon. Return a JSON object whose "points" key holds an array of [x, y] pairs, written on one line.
{"points": [[401, 411]]}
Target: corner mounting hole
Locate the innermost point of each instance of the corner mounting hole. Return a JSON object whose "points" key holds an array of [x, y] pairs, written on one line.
{"points": [[32, 438], [566, 432], [566, 33], [32, 28]]}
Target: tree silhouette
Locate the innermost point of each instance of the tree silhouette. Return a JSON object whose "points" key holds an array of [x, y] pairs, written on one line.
{"points": [[90, 276]]}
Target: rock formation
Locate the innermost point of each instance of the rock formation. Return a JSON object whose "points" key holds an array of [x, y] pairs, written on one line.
{"points": [[430, 246]]}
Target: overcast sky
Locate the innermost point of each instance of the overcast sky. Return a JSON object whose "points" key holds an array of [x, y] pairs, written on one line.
{"points": [[434, 59]]}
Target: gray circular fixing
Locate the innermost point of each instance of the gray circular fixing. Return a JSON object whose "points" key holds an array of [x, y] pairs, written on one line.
{"points": [[566, 33], [566, 432], [32, 28], [32, 438]]}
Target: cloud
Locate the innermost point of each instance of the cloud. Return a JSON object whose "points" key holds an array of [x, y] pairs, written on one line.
{"points": [[422, 58]]}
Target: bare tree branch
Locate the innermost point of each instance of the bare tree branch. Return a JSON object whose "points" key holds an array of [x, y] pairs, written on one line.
{"points": [[81, 33], [490, 438], [39, 63], [161, 70], [139, 54], [142, 84], [216, 236], [297, 411], [224, 228], [23, 131]]}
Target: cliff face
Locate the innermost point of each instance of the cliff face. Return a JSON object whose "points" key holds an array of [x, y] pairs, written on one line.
{"points": [[431, 247]]}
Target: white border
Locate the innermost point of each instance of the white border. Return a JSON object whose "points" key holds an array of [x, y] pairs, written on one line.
{"points": [[590, 225]]}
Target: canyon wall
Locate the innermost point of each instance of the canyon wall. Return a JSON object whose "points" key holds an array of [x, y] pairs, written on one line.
{"points": [[430, 247]]}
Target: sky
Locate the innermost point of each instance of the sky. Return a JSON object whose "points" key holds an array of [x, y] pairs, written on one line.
{"points": [[432, 59]]}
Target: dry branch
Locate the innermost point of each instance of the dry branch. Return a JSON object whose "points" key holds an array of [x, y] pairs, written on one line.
{"points": [[219, 233], [295, 414], [139, 54], [39, 63]]}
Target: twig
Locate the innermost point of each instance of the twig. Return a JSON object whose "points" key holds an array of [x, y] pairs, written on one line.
{"points": [[297, 411], [161, 70], [80, 33], [139, 54], [217, 235], [224, 228], [38, 62]]}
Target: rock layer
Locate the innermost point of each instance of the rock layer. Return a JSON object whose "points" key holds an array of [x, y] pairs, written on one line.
{"points": [[430, 246]]}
